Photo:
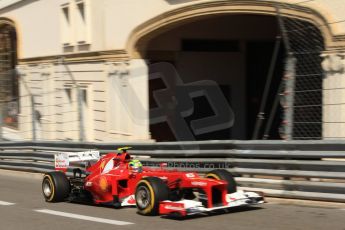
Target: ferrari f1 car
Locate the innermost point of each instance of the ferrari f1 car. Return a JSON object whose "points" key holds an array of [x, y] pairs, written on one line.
{"points": [[118, 180]]}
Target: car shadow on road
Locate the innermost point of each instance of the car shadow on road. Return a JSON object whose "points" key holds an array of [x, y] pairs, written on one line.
{"points": [[212, 213], [177, 217], [88, 203]]}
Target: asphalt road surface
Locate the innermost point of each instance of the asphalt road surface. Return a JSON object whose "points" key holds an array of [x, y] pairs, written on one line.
{"points": [[22, 207]]}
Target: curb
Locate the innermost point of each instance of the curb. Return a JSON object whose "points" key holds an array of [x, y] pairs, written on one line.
{"points": [[304, 203]]}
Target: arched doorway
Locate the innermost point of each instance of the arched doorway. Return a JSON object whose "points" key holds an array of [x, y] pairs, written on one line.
{"points": [[9, 91], [235, 51]]}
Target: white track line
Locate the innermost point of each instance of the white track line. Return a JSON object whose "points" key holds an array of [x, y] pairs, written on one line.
{"points": [[82, 217], [6, 203]]}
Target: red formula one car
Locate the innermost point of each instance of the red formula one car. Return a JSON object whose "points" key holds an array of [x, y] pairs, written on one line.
{"points": [[116, 179]]}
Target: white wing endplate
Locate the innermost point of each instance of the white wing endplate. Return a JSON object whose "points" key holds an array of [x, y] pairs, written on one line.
{"points": [[63, 159]]}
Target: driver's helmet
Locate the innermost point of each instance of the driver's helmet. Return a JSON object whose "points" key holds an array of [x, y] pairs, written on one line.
{"points": [[135, 166]]}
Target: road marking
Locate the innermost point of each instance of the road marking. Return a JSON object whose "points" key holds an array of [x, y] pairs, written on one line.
{"points": [[82, 217], [6, 203]]}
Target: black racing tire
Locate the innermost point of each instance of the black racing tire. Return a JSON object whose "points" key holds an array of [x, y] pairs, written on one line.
{"points": [[149, 192], [222, 174], [55, 186]]}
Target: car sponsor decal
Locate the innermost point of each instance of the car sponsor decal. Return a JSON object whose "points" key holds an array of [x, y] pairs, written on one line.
{"points": [[102, 165], [190, 175], [170, 207], [198, 183], [61, 161], [103, 184], [88, 184]]}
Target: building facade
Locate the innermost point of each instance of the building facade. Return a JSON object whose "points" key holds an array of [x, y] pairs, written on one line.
{"points": [[85, 69]]}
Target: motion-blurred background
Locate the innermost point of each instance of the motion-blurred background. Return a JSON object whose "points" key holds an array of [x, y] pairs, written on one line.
{"points": [[167, 70]]}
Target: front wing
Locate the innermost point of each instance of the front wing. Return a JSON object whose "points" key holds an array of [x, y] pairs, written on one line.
{"points": [[192, 207]]}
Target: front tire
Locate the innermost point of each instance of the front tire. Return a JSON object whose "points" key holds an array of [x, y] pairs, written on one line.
{"points": [[222, 174], [55, 186], [149, 192]]}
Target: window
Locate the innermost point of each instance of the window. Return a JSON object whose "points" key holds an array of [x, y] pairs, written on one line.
{"points": [[87, 109], [9, 91], [81, 26], [66, 25], [68, 110], [75, 24], [65, 11], [81, 10], [69, 94], [119, 100], [84, 96]]}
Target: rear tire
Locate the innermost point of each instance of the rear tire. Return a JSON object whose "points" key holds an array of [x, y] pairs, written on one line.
{"points": [[222, 174], [55, 186], [149, 192]]}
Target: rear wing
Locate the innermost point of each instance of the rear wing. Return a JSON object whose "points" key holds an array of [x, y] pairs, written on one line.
{"points": [[63, 159]]}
